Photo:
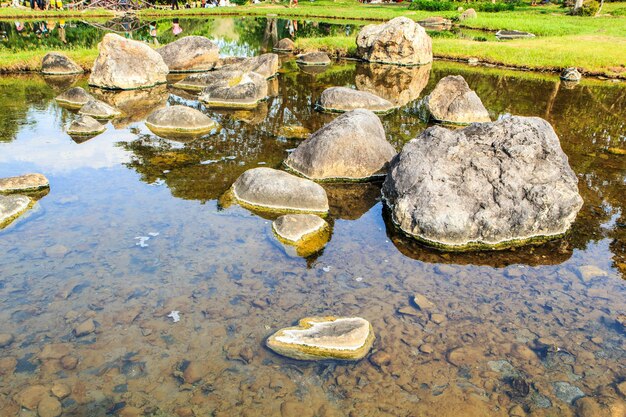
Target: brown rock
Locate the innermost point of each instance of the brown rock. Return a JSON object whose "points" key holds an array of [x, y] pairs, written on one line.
{"points": [[422, 302], [60, 390], [130, 412], [69, 362], [6, 339], [7, 366], [49, 407], [27, 182], [466, 355], [54, 351], [523, 352], [426, 348], [195, 371], [185, 412], [30, 397], [380, 359], [437, 318], [85, 328]]}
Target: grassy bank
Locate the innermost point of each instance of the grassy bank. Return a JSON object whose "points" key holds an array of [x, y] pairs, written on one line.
{"points": [[27, 13], [30, 60]]}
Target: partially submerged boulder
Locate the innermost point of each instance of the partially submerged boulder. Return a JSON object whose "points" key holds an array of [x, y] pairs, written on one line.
{"points": [[452, 101], [55, 63], [190, 54], [306, 234], [236, 90], [274, 190], [285, 45], [125, 64], [399, 41], [11, 207], [74, 98], [180, 120], [490, 185], [436, 23], [99, 110], [266, 65], [398, 84], [343, 99], [313, 58], [571, 74], [85, 125], [322, 338], [24, 183], [353, 147]]}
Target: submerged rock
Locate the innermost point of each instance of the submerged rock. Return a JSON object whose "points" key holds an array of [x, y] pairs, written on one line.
{"points": [[567, 392], [190, 54], [49, 407], [85, 125], [452, 101], [293, 132], [266, 65], [180, 120], [235, 89], [306, 233], [571, 74], [343, 99], [271, 189], [23, 183], [398, 84], [99, 110], [399, 41], [74, 98], [126, 64], [435, 22], [352, 147], [319, 338], [313, 58], [6, 339], [55, 63], [285, 45], [488, 185]]}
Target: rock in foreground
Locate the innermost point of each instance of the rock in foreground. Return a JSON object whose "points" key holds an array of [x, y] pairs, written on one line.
{"points": [[343, 99], [489, 185], [399, 41], [190, 54], [179, 120], [24, 183], [235, 89], [55, 63], [74, 98], [85, 125], [452, 101], [11, 207], [352, 147], [124, 64], [306, 233], [320, 338], [271, 189]]}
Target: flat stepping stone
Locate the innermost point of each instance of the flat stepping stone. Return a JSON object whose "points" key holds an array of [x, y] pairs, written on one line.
{"points": [[285, 45], [239, 90], [23, 183], [11, 207], [306, 234], [74, 98], [180, 120], [55, 63], [343, 99], [99, 110], [323, 338], [513, 34], [452, 101], [274, 190], [313, 58], [85, 125]]}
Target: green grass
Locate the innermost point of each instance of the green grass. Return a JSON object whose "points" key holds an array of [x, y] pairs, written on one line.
{"points": [[26, 13], [31, 60]]}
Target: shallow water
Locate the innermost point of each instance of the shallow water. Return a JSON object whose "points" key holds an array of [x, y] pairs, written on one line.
{"points": [[76, 256]]}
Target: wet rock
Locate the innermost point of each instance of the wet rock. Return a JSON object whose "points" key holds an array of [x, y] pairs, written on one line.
{"points": [[435, 22], [437, 318], [468, 14], [30, 397], [56, 251], [571, 74], [49, 407], [285, 45], [423, 303], [271, 189], [295, 227], [126, 64], [398, 84], [54, 351], [99, 110], [23, 183], [517, 411], [516, 186], [399, 41], [567, 392], [466, 355], [343, 99], [190, 54], [293, 132], [74, 98], [621, 388], [313, 58], [7, 366], [589, 272], [426, 348], [60, 390], [380, 359], [195, 371], [69, 362], [85, 328], [352, 147], [408, 311], [180, 120], [452, 101], [85, 125], [235, 90], [6, 339], [588, 407], [319, 338], [266, 65], [55, 63], [11, 207]]}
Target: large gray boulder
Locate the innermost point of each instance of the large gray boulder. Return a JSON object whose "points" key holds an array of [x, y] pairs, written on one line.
{"points": [[353, 147], [343, 99], [190, 54], [179, 120], [399, 41], [124, 64], [274, 190], [85, 125], [266, 65], [488, 185], [452, 101], [11, 207], [235, 89], [74, 98], [55, 63]]}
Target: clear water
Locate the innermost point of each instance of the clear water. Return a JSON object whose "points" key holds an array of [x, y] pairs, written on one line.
{"points": [[75, 256]]}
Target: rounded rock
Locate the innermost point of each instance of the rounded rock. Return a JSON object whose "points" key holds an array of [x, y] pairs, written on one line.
{"points": [[571, 74], [6, 339], [85, 125], [180, 120], [452, 101], [235, 89], [99, 110], [190, 54], [343, 99], [285, 45], [313, 58], [49, 407], [11, 207], [74, 98], [55, 63]]}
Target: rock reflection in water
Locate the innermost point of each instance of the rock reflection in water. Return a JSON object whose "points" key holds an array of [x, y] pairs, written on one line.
{"points": [[400, 85], [61, 83], [135, 105]]}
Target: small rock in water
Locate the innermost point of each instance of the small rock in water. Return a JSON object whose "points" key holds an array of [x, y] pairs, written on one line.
{"points": [[426, 348], [60, 390], [589, 272], [30, 397], [175, 316], [85, 328], [437, 318], [422, 302], [69, 362], [23, 183], [567, 392], [49, 407], [380, 359], [56, 251], [6, 339]]}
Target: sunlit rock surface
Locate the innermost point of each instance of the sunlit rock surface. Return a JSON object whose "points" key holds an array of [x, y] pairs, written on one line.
{"points": [[285, 45], [190, 54], [313, 58], [74, 98], [179, 120], [320, 338], [266, 65], [11, 207], [99, 110], [489, 184], [452, 101], [343, 99], [23, 183], [85, 125], [237, 90], [304, 234], [55, 63]]}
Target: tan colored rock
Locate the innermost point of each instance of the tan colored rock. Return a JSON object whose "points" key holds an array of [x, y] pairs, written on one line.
{"points": [[195, 371], [468, 14], [7, 365], [190, 54], [85, 125], [437, 318], [49, 407], [343, 99], [99, 110], [422, 302], [60, 390], [74, 98], [180, 120], [69, 362], [86, 327], [55, 351], [266, 65], [30, 397], [452, 101], [380, 359], [466, 355], [235, 90], [23, 183], [295, 227], [6, 339], [313, 58], [285, 45], [55, 63]]}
